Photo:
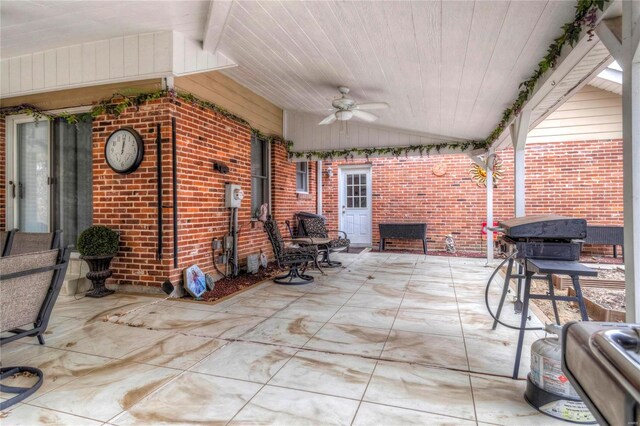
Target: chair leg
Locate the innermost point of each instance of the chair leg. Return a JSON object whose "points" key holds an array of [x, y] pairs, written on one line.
{"points": [[294, 277], [327, 262], [40, 339]]}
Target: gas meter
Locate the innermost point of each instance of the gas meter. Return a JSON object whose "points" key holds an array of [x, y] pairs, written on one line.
{"points": [[233, 196]]}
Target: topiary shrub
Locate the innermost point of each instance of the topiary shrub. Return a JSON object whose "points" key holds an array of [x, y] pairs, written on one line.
{"points": [[98, 240]]}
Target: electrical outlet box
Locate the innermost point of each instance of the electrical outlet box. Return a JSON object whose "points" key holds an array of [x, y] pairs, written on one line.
{"points": [[233, 195], [228, 242], [216, 244], [222, 259]]}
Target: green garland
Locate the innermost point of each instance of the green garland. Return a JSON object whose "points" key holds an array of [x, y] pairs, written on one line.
{"points": [[118, 103], [585, 17]]}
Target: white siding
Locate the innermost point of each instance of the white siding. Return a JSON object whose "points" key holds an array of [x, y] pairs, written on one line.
{"points": [[107, 61], [590, 114]]}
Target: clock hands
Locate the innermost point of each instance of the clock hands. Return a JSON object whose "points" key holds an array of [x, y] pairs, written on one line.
{"points": [[122, 151]]}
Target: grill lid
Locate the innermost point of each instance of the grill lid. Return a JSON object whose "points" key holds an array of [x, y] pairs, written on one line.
{"points": [[545, 226]]}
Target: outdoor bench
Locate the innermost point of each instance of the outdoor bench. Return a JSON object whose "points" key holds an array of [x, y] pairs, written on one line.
{"points": [[613, 235], [403, 231]]}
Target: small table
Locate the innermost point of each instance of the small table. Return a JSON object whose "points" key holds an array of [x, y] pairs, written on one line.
{"points": [[308, 241]]}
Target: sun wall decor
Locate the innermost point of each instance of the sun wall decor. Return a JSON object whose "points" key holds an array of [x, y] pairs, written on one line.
{"points": [[479, 174]]}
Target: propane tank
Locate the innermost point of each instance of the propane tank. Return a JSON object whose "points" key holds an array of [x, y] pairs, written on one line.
{"points": [[548, 389]]}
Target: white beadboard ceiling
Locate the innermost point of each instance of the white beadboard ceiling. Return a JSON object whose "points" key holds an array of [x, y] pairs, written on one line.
{"points": [[447, 68], [28, 26]]}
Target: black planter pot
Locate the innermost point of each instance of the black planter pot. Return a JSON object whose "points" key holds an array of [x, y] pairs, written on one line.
{"points": [[98, 273]]}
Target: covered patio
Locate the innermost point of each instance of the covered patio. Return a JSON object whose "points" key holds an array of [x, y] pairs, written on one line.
{"points": [[389, 339], [229, 99]]}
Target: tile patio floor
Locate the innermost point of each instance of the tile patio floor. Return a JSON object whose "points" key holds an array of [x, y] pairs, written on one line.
{"points": [[389, 340]]}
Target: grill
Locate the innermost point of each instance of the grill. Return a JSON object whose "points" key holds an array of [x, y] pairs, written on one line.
{"points": [[539, 246], [602, 362], [543, 237]]}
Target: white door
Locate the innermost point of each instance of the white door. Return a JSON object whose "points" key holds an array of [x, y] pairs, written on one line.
{"points": [[355, 204]]}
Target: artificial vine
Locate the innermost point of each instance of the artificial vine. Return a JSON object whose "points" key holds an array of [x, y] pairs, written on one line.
{"points": [[585, 17], [118, 103]]}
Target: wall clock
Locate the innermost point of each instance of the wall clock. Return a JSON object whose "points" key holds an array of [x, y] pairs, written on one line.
{"points": [[124, 150]]}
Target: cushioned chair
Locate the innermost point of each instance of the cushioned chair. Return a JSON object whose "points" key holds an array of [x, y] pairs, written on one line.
{"points": [[29, 286], [296, 258], [315, 228], [30, 242], [4, 239]]}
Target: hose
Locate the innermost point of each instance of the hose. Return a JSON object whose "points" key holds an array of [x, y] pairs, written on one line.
{"points": [[486, 297]]}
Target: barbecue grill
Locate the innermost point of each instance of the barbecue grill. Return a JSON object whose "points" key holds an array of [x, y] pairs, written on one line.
{"points": [[540, 246], [543, 237], [602, 362]]}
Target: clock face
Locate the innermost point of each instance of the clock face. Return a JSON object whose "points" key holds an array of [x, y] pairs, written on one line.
{"points": [[124, 150]]}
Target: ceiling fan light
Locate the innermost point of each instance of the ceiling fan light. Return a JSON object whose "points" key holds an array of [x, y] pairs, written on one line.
{"points": [[344, 115]]}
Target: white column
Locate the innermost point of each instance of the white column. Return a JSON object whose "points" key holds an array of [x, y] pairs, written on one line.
{"points": [[631, 154], [489, 171], [319, 187], [519, 130]]}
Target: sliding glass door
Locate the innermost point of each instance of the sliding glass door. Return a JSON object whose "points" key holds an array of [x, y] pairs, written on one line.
{"points": [[49, 178]]}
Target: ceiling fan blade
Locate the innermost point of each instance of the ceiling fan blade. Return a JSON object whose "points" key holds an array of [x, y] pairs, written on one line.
{"points": [[328, 119], [364, 116], [372, 105]]}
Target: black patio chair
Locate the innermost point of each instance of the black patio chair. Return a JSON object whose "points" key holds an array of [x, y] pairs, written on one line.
{"points": [[29, 286], [296, 258], [315, 228]]}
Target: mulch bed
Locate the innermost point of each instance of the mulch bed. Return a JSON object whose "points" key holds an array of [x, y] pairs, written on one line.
{"points": [[229, 285]]}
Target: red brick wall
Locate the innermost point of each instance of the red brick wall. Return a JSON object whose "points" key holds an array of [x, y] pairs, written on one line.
{"points": [[128, 203], [286, 202], [203, 137], [581, 179]]}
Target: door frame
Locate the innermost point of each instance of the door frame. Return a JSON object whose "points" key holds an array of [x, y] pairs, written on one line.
{"points": [[369, 171], [11, 165]]}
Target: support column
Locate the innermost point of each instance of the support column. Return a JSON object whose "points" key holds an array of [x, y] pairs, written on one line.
{"points": [[489, 171], [621, 36], [631, 154], [319, 187], [519, 130]]}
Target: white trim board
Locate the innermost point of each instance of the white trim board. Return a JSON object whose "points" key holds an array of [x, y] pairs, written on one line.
{"points": [[114, 60]]}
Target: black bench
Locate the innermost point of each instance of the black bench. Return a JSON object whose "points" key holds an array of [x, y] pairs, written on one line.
{"points": [[613, 235], [403, 231]]}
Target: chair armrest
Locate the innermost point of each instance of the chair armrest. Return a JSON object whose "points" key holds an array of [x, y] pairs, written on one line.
{"points": [[338, 232]]}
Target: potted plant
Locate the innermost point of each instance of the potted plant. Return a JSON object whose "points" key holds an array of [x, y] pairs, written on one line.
{"points": [[97, 246]]}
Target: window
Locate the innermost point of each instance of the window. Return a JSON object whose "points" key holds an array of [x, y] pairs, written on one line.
{"points": [[49, 175], [259, 174], [302, 177]]}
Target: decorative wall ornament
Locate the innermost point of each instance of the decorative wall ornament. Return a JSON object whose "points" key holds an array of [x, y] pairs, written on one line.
{"points": [[439, 169], [479, 173]]}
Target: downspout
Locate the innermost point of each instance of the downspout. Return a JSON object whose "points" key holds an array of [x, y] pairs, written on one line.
{"points": [[319, 187]]}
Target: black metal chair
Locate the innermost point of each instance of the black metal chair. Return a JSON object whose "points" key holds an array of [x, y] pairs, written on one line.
{"points": [[315, 228], [29, 286], [296, 258]]}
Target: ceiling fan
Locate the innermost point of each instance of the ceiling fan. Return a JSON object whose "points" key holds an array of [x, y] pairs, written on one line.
{"points": [[346, 108]]}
